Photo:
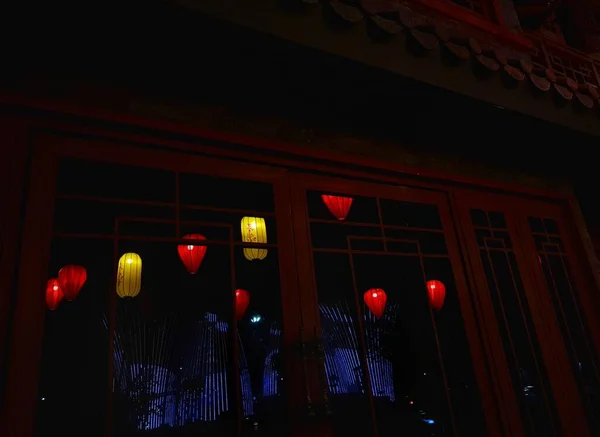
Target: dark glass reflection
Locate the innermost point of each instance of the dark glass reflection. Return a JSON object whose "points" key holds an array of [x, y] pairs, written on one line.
{"points": [[173, 346], [182, 362], [416, 362], [73, 385], [401, 353]]}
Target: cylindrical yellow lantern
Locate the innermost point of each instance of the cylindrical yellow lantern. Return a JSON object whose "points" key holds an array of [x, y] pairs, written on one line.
{"points": [[254, 230], [129, 275]]}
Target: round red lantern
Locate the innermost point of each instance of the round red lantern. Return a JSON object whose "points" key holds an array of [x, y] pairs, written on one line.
{"points": [[54, 294], [190, 254], [436, 292], [338, 205], [242, 300], [71, 279], [375, 299]]}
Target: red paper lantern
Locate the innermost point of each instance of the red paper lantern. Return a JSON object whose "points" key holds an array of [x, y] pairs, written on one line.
{"points": [[338, 205], [436, 292], [242, 300], [54, 294], [190, 254], [71, 279], [375, 298]]}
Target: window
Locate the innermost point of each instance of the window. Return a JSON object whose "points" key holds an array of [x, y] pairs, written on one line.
{"points": [[520, 343], [193, 341], [393, 360], [197, 296], [555, 263]]}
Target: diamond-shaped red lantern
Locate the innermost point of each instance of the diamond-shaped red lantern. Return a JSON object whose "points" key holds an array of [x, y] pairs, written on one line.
{"points": [[242, 300], [436, 292], [375, 298], [54, 294], [338, 205], [71, 279], [190, 254]]}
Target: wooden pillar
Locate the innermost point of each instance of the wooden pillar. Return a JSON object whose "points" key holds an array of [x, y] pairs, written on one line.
{"points": [[14, 153]]}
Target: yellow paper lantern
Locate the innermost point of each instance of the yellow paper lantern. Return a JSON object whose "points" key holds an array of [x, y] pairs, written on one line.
{"points": [[129, 275], [254, 230]]}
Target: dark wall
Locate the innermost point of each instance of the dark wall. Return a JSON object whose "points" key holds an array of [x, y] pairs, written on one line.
{"points": [[157, 50]]}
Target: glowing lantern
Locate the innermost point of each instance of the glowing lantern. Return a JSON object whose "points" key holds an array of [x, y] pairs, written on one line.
{"points": [[436, 292], [129, 275], [375, 298], [54, 294], [71, 279], [242, 300], [190, 254], [338, 205], [254, 230]]}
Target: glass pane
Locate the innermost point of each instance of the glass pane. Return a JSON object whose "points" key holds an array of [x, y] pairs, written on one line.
{"points": [[74, 384], [173, 344], [174, 347], [401, 366], [196, 323], [260, 340], [556, 266], [516, 327], [344, 365]]}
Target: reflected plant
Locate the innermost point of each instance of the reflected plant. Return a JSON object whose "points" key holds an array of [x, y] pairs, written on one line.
{"points": [[144, 403], [192, 385]]}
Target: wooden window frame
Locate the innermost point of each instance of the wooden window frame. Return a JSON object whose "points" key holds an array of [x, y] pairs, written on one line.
{"points": [[29, 130], [27, 330], [552, 343], [476, 335]]}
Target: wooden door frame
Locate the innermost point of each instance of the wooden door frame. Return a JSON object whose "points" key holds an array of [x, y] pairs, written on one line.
{"points": [[586, 278], [495, 418], [14, 166], [565, 215], [554, 353], [583, 283], [582, 277], [83, 123], [26, 336], [381, 169]]}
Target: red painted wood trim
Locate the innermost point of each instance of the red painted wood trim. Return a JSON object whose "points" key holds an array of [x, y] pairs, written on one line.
{"points": [[490, 325], [167, 126], [505, 419], [13, 154], [292, 304], [552, 346], [463, 15], [25, 352], [563, 383], [587, 277]]}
